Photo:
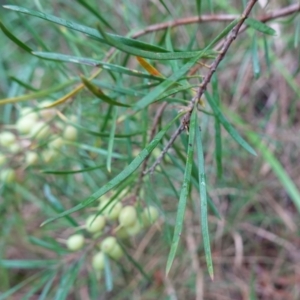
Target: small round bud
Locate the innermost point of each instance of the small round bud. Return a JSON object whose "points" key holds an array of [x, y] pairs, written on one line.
{"points": [[29, 113], [98, 261], [134, 229], [31, 158], [149, 215], [46, 113], [127, 216], [40, 131], [112, 211], [121, 233], [25, 124], [7, 138], [75, 242], [94, 224], [70, 133], [8, 176], [56, 143], [14, 148], [116, 253], [108, 244], [49, 155]]}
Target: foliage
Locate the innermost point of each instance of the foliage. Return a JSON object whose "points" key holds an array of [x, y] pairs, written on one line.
{"points": [[142, 152]]}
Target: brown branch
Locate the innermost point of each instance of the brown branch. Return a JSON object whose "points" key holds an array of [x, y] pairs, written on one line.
{"points": [[186, 119], [157, 117], [166, 148], [281, 12]]}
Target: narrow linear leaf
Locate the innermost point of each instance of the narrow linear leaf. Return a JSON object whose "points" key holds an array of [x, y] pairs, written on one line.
{"points": [[120, 177], [267, 55], [194, 179], [105, 134], [93, 63], [218, 132], [297, 33], [67, 280], [99, 94], [28, 280], [168, 82], [148, 67], [36, 95], [183, 194], [230, 129], [47, 287], [66, 172], [165, 6], [255, 57], [14, 38], [146, 54], [223, 33], [86, 30], [127, 45], [111, 140], [198, 5], [56, 204], [108, 274], [203, 203], [27, 264], [277, 168], [134, 262], [259, 26], [95, 13], [274, 163]]}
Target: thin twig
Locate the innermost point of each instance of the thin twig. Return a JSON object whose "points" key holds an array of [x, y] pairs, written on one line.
{"points": [[281, 12], [165, 150], [186, 119], [157, 117]]}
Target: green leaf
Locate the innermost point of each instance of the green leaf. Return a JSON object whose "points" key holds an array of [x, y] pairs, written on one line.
{"points": [[230, 129], [267, 55], [40, 94], [86, 30], [15, 39], [53, 245], [259, 26], [277, 168], [146, 54], [95, 13], [165, 6], [120, 177], [255, 58], [29, 280], [297, 33], [274, 163], [134, 262], [56, 204], [223, 33], [203, 203], [66, 172], [183, 193], [111, 139], [99, 94], [93, 63], [47, 287], [156, 92], [218, 132], [27, 264], [67, 280], [108, 274], [198, 5]]}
